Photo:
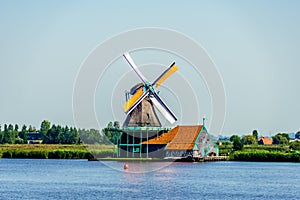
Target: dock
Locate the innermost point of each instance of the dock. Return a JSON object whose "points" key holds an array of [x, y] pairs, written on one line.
{"points": [[215, 158]]}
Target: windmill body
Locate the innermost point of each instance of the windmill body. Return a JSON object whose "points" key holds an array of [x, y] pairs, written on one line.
{"points": [[143, 114]]}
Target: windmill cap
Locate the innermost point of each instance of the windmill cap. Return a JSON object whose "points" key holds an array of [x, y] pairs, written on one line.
{"points": [[135, 88]]}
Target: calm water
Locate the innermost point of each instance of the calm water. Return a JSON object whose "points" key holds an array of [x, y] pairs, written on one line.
{"points": [[81, 179]]}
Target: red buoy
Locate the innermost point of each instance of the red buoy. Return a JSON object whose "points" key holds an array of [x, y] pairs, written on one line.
{"points": [[126, 166]]}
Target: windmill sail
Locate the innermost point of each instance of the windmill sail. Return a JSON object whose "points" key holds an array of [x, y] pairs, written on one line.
{"points": [[166, 74], [134, 67], [163, 108], [135, 100]]}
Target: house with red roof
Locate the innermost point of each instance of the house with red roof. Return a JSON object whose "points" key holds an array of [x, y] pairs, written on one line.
{"points": [[264, 140], [184, 142], [155, 142]]}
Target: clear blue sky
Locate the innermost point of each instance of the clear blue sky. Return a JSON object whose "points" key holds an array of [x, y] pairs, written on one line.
{"points": [[255, 45]]}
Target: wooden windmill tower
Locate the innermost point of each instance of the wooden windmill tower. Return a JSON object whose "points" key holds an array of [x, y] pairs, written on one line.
{"points": [[140, 107]]}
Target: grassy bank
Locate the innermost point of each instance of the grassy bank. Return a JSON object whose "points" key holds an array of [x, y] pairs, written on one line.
{"points": [[264, 156], [56, 151], [261, 153], [227, 149], [107, 152]]}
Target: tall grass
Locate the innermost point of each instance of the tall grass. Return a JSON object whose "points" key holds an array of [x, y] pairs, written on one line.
{"points": [[56, 151], [264, 156]]}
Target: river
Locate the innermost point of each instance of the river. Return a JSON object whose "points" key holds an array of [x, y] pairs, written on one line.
{"points": [[82, 179]]}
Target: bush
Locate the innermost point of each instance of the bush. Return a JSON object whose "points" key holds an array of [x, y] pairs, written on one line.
{"points": [[295, 145], [103, 153], [237, 144], [224, 152], [25, 154], [69, 154], [55, 151], [265, 156]]}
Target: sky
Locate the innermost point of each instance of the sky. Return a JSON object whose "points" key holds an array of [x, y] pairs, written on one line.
{"points": [[254, 44]]}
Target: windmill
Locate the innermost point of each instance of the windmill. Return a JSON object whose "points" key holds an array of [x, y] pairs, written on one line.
{"points": [[139, 108]]}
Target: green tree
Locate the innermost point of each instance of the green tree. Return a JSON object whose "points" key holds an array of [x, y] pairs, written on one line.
{"points": [[45, 127], [76, 135], [281, 138], [255, 134], [10, 127], [91, 136], [237, 144], [17, 127], [23, 134], [68, 136], [59, 131], [108, 131], [31, 129], [23, 131], [249, 139], [233, 137], [5, 135], [73, 136], [295, 145], [54, 132], [12, 134], [64, 136], [297, 135], [0, 134], [50, 136], [112, 133], [25, 138], [286, 136], [110, 125], [117, 124]]}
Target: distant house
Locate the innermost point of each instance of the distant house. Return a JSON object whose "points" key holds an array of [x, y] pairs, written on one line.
{"points": [[184, 142], [34, 138], [264, 140]]}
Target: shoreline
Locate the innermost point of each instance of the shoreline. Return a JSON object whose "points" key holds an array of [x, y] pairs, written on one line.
{"points": [[55, 151], [108, 152]]}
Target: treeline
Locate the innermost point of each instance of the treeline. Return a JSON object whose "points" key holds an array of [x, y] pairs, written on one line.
{"points": [[238, 142], [56, 134], [246, 148], [10, 135]]}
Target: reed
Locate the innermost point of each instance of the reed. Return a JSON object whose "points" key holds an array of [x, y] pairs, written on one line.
{"points": [[264, 156], [42, 151]]}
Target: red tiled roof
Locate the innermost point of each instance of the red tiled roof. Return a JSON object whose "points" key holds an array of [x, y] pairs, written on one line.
{"points": [[179, 138], [185, 138], [165, 138]]}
